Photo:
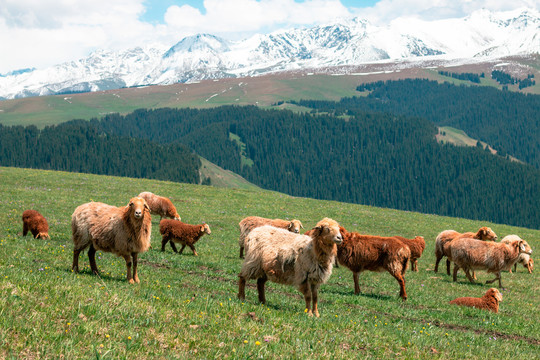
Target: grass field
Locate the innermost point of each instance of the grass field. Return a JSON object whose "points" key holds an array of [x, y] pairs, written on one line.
{"points": [[187, 305]]}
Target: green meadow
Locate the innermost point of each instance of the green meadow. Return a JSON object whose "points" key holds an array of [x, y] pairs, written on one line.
{"points": [[186, 306]]}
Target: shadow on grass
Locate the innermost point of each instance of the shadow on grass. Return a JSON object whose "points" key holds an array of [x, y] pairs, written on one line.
{"points": [[101, 276]]}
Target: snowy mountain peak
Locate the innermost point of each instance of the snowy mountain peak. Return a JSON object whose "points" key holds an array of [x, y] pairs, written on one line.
{"points": [[355, 41]]}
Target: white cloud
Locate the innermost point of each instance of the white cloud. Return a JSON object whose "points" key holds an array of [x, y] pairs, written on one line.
{"points": [[40, 33]]}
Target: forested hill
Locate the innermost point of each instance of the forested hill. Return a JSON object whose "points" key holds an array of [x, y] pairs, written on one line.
{"points": [[368, 158], [508, 121], [77, 146]]}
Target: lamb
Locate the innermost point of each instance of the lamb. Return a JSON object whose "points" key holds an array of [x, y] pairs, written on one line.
{"points": [[160, 205], [124, 231], [287, 258], [490, 301], [252, 222], [471, 254], [417, 246], [524, 258], [445, 237], [176, 231], [34, 222], [374, 253]]}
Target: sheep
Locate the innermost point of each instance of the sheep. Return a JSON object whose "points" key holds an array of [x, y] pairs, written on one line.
{"points": [[374, 253], [280, 256], [445, 237], [524, 258], [160, 205], [471, 254], [252, 222], [417, 246], [490, 301], [176, 231], [34, 222], [124, 231]]}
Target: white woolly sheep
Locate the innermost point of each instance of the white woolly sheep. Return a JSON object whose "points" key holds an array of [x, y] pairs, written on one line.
{"points": [[124, 231], [293, 259]]}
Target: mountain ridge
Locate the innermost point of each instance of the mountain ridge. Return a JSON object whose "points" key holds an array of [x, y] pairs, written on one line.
{"points": [[480, 36]]}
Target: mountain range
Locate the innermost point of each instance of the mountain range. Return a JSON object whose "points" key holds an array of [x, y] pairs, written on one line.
{"points": [[477, 37]]}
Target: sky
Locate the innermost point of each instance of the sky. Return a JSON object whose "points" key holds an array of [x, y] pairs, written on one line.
{"points": [[42, 33]]}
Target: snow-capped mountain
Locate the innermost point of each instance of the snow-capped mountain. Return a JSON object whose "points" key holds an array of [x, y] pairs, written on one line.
{"points": [[481, 35]]}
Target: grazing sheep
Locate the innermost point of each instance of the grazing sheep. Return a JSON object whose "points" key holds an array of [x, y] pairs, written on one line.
{"points": [[160, 205], [283, 257], [490, 301], [34, 222], [176, 231], [445, 237], [124, 231], [524, 258], [417, 246], [473, 254], [252, 222], [374, 253]]}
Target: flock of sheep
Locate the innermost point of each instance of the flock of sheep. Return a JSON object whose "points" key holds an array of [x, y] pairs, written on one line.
{"points": [[275, 250]]}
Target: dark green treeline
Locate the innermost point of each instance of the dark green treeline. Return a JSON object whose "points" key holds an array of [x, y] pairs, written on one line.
{"points": [[77, 146], [376, 159]]}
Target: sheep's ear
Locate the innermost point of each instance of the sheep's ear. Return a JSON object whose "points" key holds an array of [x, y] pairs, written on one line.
{"points": [[317, 230], [301, 226], [146, 206], [290, 226]]}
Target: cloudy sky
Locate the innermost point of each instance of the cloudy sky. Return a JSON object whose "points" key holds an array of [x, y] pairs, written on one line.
{"points": [[41, 33]]}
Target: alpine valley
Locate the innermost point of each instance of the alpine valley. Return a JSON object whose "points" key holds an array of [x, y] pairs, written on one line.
{"points": [[482, 36]]}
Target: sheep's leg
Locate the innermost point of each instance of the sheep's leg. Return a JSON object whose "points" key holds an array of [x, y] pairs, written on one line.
{"points": [[447, 266], [315, 299], [129, 277], [498, 277], [174, 246], [401, 281], [164, 242], [182, 249], [134, 256], [414, 265], [25, 229], [356, 284], [305, 288], [241, 288], [437, 260], [456, 269], [192, 249], [92, 258], [468, 274], [75, 266], [474, 275], [515, 268], [260, 289], [241, 252]]}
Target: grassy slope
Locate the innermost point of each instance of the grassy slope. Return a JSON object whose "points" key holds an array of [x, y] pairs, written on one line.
{"points": [[186, 305], [223, 178]]}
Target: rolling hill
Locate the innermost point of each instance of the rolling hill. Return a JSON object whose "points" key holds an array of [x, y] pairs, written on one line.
{"points": [[186, 306]]}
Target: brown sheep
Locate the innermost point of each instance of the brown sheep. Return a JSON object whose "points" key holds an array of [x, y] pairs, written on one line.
{"points": [[160, 205], [472, 254], [252, 222], [417, 246], [445, 237], [124, 231], [374, 253], [490, 301], [524, 258], [176, 231], [34, 222], [287, 258]]}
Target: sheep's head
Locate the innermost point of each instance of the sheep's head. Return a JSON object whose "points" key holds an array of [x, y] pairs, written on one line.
{"points": [[295, 226], [206, 229], [524, 247], [530, 265], [328, 230], [493, 292], [43, 236], [138, 206], [485, 233]]}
